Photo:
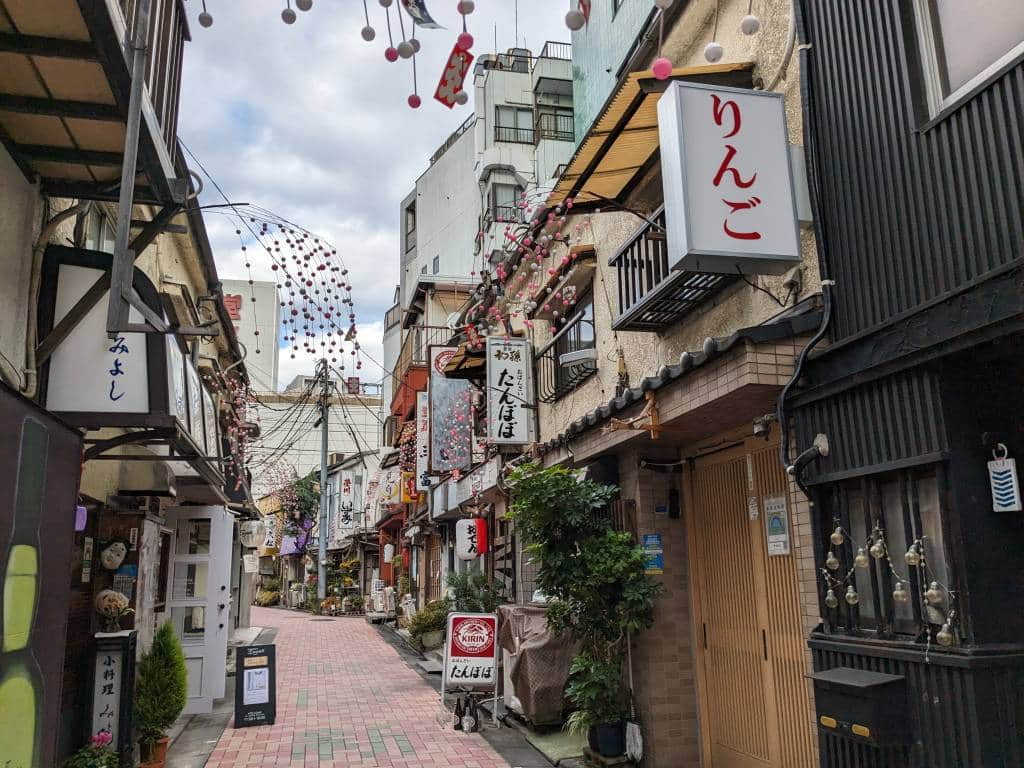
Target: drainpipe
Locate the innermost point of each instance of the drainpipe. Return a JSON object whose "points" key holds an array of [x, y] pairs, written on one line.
{"points": [[31, 385]]}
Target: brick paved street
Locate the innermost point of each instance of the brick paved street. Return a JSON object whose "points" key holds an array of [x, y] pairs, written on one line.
{"points": [[347, 698]]}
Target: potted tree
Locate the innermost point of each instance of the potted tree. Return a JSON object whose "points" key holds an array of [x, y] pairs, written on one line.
{"points": [[426, 627], [160, 693], [597, 587]]}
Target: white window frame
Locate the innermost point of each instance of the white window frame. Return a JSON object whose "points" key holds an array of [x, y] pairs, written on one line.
{"points": [[941, 104]]}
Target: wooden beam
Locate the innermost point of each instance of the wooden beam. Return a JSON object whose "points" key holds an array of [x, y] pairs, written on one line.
{"points": [[69, 155], [52, 47], [106, 191], [84, 110]]}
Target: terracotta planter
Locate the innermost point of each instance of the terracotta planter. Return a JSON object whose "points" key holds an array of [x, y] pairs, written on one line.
{"points": [[154, 755]]}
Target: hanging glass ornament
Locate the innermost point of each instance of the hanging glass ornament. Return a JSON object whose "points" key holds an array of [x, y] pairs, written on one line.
{"points": [[832, 562], [288, 15], [861, 559], [913, 556], [852, 598], [750, 24], [944, 636], [878, 548], [837, 536], [933, 595], [899, 593], [303, 5], [205, 19], [713, 52], [831, 600]]}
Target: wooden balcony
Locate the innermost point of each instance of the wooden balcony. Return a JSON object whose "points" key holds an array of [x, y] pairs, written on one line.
{"points": [[651, 295], [65, 88]]}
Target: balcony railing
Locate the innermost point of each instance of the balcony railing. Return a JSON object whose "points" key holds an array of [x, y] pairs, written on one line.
{"points": [[513, 135], [393, 316], [507, 214], [554, 50], [559, 126], [651, 295], [416, 346], [556, 377]]}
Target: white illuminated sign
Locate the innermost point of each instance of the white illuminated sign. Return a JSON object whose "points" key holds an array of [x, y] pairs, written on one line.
{"points": [[728, 184]]}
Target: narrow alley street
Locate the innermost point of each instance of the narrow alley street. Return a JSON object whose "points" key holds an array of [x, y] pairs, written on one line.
{"points": [[347, 698]]}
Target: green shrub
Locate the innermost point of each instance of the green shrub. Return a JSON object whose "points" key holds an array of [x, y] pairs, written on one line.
{"points": [[433, 617], [271, 584], [267, 598], [472, 593], [161, 688]]}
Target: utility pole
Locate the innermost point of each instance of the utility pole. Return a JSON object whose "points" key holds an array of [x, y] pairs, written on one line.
{"points": [[325, 395]]}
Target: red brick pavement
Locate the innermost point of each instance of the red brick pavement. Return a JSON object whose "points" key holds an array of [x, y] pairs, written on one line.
{"points": [[346, 698]]}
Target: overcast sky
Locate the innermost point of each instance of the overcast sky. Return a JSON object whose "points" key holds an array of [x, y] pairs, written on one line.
{"points": [[310, 121]]}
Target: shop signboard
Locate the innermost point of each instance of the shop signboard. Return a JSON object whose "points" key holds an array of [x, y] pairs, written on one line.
{"points": [[654, 551], [255, 686], [730, 204], [451, 423], [345, 521], [509, 397], [471, 651], [422, 441], [776, 523], [410, 491]]}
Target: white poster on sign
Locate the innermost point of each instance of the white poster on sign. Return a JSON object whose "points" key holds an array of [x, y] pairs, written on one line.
{"points": [[195, 406], [422, 441], [776, 524], [256, 689], [210, 418], [729, 200], [176, 381], [509, 397], [251, 563]]}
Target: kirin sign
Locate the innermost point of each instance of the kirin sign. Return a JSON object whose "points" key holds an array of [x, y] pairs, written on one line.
{"points": [[730, 205], [471, 651]]}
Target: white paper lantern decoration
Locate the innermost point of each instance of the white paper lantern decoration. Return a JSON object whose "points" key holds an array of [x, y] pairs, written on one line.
{"points": [[389, 553], [750, 25], [575, 20], [713, 52], [252, 533]]}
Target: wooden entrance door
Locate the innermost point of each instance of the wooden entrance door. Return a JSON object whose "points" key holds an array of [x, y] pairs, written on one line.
{"points": [[755, 701]]}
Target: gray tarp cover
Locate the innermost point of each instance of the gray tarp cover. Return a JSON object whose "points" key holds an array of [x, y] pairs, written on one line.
{"points": [[540, 664]]}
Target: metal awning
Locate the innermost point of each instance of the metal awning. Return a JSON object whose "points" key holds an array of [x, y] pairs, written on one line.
{"points": [[64, 96], [622, 145]]}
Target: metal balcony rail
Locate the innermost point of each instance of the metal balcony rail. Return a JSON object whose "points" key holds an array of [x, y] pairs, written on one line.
{"points": [[651, 295], [513, 135], [555, 379], [507, 214], [416, 346], [556, 50], [553, 125], [167, 29]]}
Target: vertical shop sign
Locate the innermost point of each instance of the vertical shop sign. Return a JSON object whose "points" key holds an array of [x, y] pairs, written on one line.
{"points": [[345, 522], [471, 651], [509, 397], [113, 686], [776, 524], [422, 441], [654, 551], [451, 415]]}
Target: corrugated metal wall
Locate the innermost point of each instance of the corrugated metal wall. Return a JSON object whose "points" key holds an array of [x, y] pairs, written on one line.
{"points": [[909, 215]]}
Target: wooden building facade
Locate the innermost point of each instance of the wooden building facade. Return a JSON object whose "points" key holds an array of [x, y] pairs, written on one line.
{"points": [[914, 129]]}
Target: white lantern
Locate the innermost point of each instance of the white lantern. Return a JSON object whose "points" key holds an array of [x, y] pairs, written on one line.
{"points": [[470, 538], [389, 553], [252, 533]]}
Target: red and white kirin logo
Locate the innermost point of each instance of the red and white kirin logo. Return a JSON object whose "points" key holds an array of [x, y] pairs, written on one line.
{"points": [[473, 637], [442, 360]]}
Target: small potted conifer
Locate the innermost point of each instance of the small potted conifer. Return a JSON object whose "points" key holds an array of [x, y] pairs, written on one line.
{"points": [[160, 693]]}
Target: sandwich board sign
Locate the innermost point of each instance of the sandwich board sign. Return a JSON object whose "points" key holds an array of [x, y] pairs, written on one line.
{"points": [[255, 686]]}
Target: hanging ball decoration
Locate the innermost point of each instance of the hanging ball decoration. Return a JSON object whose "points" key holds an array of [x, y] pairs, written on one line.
{"points": [[713, 52], [405, 50], [461, 98], [662, 68], [750, 25], [831, 600], [288, 16], [466, 7], [900, 593], [303, 5], [878, 548], [415, 44], [944, 636], [368, 33], [861, 559], [933, 595], [415, 101], [575, 19], [832, 562], [464, 41], [205, 20], [391, 53], [664, 5], [837, 536], [913, 556], [385, 3], [852, 598]]}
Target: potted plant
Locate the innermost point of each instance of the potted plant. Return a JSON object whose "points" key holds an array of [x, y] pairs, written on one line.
{"points": [[471, 592], [98, 753], [160, 693], [427, 626], [597, 587]]}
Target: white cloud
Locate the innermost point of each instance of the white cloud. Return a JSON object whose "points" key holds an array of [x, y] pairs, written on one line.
{"points": [[311, 122]]}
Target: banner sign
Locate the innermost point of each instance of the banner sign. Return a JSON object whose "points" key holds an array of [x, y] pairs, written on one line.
{"points": [[509, 397], [471, 651], [345, 521], [422, 441], [729, 198], [654, 552], [255, 685], [451, 415]]}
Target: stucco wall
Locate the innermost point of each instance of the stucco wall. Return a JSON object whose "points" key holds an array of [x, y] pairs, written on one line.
{"points": [[19, 225]]}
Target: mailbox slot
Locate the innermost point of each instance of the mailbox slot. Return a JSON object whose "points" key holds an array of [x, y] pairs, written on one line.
{"points": [[868, 707]]}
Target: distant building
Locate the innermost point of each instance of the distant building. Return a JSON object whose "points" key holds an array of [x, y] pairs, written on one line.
{"points": [[255, 308]]}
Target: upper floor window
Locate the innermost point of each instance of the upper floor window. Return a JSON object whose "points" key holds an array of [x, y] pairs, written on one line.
{"points": [[555, 123], [410, 227], [505, 203], [98, 231], [437, 264], [514, 124], [965, 44]]}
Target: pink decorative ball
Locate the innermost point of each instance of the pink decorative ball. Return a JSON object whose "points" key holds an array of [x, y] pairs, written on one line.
{"points": [[391, 54], [415, 101], [465, 41], [662, 68]]}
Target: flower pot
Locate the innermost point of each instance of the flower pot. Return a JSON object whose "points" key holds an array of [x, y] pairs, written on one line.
{"points": [[430, 640], [608, 739], [154, 755]]}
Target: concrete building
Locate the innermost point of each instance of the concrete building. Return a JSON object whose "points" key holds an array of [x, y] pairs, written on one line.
{"points": [[256, 314]]}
